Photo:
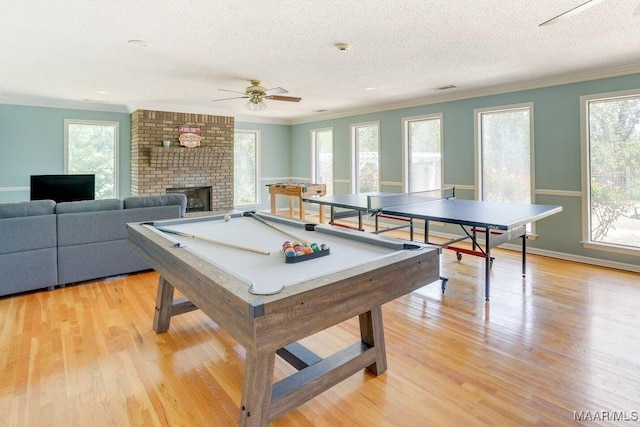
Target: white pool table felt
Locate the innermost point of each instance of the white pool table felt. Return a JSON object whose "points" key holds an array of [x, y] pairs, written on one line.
{"points": [[268, 274]]}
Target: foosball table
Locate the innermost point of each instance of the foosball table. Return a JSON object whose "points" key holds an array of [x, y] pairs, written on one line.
{"points": [[297, 191]]}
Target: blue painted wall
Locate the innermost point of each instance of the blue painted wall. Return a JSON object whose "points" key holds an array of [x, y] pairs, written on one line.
{"points": [[557, 151], [32, 143]]}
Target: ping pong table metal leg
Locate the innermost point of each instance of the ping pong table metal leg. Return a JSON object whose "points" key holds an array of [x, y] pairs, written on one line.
{"points": [[524, 254], [487, 264], [411, 229], [443, 280], [426, 231]]}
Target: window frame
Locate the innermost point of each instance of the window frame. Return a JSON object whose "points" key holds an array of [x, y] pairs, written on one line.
{"points": [[406, 158], [257, 166], [354, 154], [586, 172], [314, 149], [116, 151]]}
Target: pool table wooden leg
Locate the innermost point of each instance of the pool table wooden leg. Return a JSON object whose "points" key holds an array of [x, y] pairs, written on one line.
{"points": [[372, 334], [164, 306], [256, 389]]}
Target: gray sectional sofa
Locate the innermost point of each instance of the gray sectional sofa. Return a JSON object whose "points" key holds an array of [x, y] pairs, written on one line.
{"points": [[44, 244]]}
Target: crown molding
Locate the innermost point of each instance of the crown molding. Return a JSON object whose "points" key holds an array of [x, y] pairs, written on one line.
{"points": [[561, 79]]}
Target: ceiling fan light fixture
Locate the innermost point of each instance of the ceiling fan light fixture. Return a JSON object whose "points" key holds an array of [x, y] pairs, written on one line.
{"points": [[256, 104]]}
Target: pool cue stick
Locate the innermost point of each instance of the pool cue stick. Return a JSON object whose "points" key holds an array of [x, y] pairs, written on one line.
{"points": [[218, 242], [276, 228]]}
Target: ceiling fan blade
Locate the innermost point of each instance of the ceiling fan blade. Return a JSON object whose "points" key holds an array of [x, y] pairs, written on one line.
{"points": [[580, 8], [234, 91], [235, 97], [275, 91], [284, 98]]}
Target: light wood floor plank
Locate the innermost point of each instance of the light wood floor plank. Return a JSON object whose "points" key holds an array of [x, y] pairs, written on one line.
{"points": [[564, 339]]}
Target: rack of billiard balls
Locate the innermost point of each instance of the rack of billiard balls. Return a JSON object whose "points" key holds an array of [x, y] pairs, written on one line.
{"points": [[294, 251]]}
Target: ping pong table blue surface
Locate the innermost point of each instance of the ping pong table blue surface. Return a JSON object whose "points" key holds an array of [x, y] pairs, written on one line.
{"points": [[494, 215], [497, 222]]}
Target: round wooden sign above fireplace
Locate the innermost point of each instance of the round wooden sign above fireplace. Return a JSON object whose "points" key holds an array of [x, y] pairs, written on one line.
{"points": [[190, 140]]}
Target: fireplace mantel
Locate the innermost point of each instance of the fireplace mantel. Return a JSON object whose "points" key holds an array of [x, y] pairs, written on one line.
{"points": [[184, 157]]}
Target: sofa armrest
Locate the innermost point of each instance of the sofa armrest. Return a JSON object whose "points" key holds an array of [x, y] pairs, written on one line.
{"points": [[179, 199]]}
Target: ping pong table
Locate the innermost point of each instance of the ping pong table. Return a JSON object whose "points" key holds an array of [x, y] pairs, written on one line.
{"points": [[497, 222]]}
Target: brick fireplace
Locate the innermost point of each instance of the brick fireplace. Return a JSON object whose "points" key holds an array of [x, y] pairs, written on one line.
{"points": [[155, 169]]}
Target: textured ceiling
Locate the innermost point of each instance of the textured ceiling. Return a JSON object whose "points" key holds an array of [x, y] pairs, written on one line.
{"points": [[63, 53]]}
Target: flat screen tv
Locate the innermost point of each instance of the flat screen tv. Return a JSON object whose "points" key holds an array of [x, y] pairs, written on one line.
{"points": [[63, 188]]}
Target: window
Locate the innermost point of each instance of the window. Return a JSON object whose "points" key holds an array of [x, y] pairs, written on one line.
{"points": [[322, 157], [611, 179], [505, 154], [91, 147], [423, 153], [365, 144], [245, 167]]}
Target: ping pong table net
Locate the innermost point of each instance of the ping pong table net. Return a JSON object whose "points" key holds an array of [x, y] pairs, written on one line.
{"points": [[379, 202]]}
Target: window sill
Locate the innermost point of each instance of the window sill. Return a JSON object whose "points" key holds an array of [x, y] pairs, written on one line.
{"points": [[607, 247]]}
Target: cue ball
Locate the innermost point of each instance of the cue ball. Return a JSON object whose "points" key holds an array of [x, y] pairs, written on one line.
{"points": [[227, 218]]}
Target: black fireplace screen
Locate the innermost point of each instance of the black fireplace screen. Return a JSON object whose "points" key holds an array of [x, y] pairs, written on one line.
{"points": [[198, 198]]}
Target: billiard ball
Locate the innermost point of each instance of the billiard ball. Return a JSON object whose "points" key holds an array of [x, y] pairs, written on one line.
{"points": [[227, 218]]}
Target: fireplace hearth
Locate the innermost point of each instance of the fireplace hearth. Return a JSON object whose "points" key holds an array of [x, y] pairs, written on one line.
{"points": [[198, 198]]}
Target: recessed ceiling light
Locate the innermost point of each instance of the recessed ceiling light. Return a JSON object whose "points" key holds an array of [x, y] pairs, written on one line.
{"points": [[343, 46], [103, 92], [370, 88], [135, 42]]}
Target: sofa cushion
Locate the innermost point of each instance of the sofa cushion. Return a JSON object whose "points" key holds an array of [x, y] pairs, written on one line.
{"points": [[95, 260], [27, 233], [79, 228], [89, 206], [26, 271], [32, 208], [154, 201]]}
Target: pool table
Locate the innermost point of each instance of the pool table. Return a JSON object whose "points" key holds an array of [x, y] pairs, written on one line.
{"points": [[267, 304]]}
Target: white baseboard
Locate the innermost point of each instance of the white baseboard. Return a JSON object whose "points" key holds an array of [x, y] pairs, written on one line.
{"points": [[557, 255], [551, 254]]}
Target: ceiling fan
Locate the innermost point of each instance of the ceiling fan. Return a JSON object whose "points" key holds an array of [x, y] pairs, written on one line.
{"points": [[574, 11], [257, 94]]}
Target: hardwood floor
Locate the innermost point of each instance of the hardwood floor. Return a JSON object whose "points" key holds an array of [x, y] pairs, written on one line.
{"points": [[563, 340]]}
